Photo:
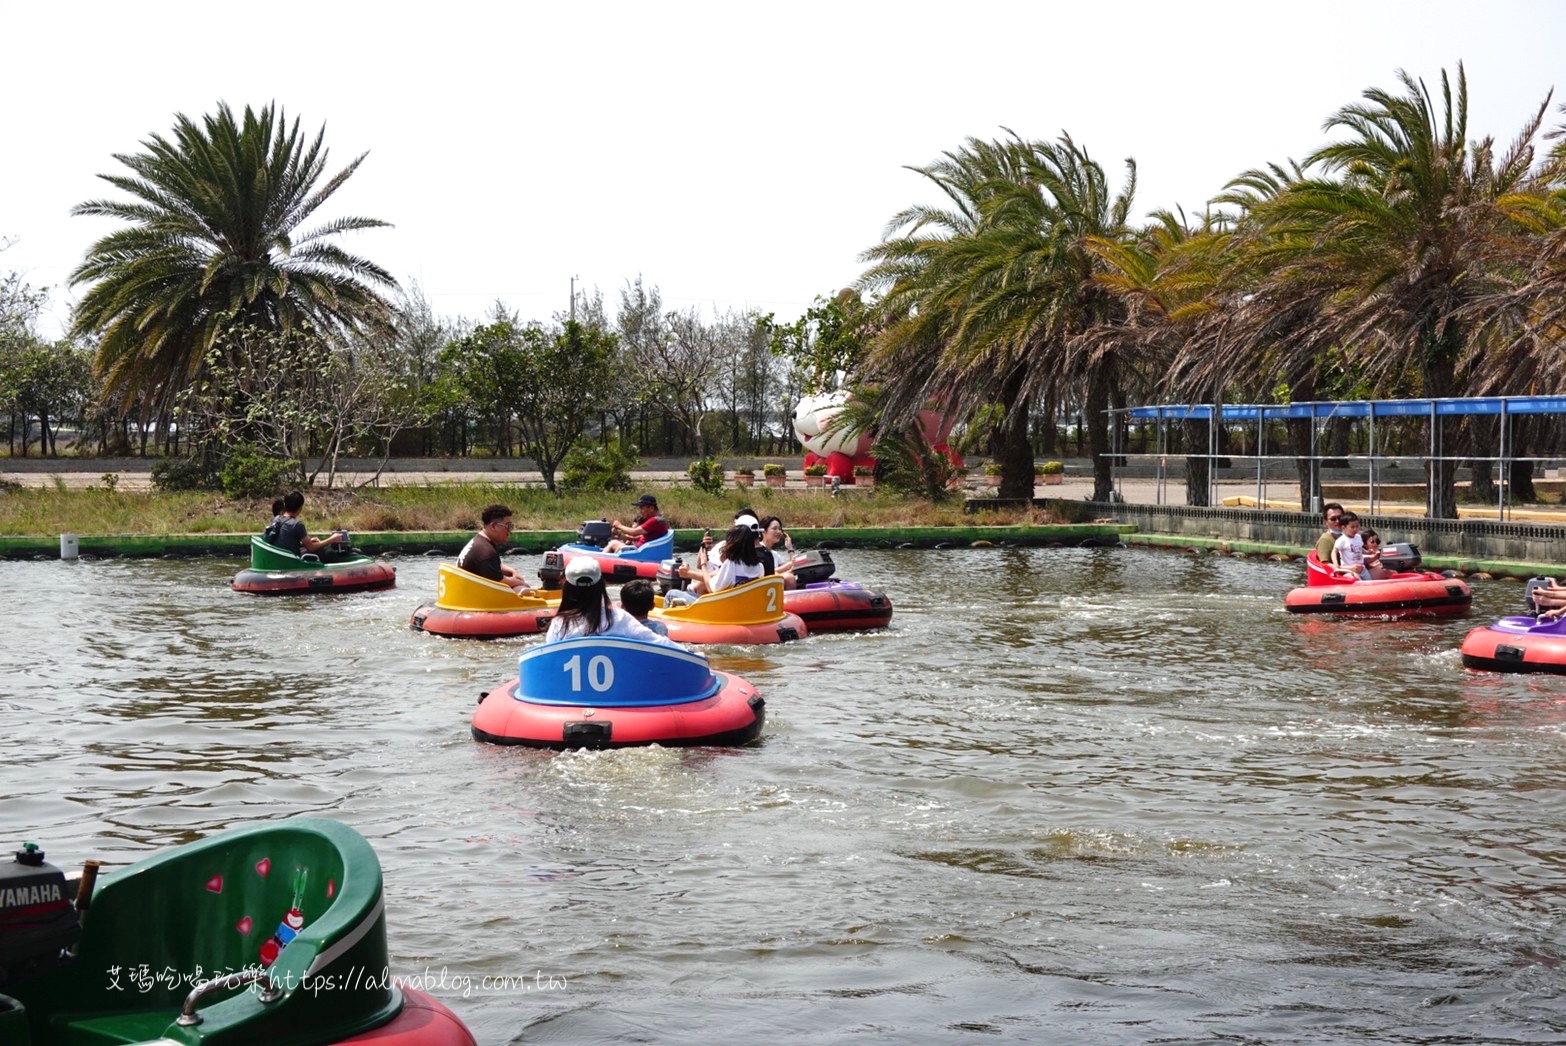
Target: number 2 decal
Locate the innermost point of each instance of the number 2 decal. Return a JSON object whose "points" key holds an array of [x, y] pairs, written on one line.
{"points": [[772, 600]]}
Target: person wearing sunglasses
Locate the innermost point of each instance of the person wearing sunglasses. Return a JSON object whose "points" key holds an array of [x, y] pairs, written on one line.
{"points": [[1331, 516], [481, 555]]}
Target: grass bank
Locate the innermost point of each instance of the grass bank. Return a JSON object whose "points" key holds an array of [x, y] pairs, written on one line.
{"points": [[100, 512]]}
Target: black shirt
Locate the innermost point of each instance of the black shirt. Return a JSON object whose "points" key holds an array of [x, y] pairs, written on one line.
{"points": [[480, 556]]}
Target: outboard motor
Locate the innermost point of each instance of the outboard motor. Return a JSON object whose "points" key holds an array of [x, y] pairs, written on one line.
{"points": [[813, 566], [593, 532], [38, 923], [553, 570], [1400, 557], [1533, 583], [669, 578]]}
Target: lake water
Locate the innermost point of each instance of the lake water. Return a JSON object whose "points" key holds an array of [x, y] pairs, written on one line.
{"points": [[1099, 796]]}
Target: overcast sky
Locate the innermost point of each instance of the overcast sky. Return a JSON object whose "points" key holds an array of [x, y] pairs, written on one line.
{"points": [[734, 155]]}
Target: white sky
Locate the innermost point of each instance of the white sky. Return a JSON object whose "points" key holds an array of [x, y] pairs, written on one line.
{"points": [[735, 155]]}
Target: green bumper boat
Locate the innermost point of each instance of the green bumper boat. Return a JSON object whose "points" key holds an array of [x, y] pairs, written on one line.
{"points": [[277, 572], [273, 934]]}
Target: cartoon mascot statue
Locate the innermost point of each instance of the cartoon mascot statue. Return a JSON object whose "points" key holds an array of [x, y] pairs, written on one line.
{"points": [[842, 449]]}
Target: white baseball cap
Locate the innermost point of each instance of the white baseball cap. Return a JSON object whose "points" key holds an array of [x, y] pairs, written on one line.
{"points": [[583, 571], [747, 521]]}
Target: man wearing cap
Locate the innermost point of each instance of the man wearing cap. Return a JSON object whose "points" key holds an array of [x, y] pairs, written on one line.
{"points": [[651, 527]]}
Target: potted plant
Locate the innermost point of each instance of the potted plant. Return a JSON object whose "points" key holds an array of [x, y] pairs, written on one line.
{"points": [[1050, 472], [744, 476], [864, 475], [776, 474], [815, 475], [992, 474]]}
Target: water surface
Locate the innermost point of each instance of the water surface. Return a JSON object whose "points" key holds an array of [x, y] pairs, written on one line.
{"points": [[1109, 796]]}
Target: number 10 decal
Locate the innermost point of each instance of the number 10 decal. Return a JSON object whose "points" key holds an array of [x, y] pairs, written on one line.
{"points": [[600, 672]]}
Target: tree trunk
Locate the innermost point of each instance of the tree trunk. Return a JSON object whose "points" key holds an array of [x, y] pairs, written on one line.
{"points": [[1098, 437], [1482, 436], [1197, 464], [1299, 440], [1015, 452], [1441, 475]]}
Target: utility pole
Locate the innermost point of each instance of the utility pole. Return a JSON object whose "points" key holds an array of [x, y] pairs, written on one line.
{"points": [[573, 299]]}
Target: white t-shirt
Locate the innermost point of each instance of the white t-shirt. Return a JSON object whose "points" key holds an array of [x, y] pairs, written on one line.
{"points": [[732, 572], [1351, 552], [620, 624]]}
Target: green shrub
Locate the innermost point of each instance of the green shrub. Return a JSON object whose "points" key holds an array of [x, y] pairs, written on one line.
{"points": [[248, 473], [589, 467], [706, 474], [177, 474], [772, 468], [1049, 468], [818, 469]]}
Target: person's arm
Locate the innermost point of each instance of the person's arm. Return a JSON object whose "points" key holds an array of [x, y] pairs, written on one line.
{"points": [[699, 575], [315, 544]]}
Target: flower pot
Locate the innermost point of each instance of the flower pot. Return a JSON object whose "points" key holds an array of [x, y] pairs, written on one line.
{"points": [[776, 481], [744, 481], [1051, 479], [864, 481], [815, 481], [992, 481]]}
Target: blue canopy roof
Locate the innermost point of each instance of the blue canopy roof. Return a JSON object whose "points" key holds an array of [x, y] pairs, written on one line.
{"points": [[1325, 409]]}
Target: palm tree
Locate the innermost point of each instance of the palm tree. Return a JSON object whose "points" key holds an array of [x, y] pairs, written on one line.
{"points": [[1396, 236], [215, 241], [982, 302], [1169, 278]]}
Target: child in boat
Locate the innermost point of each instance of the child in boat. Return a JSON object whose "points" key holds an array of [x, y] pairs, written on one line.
{"points": [[1348, 551], [1373, 568], [636, 599]]}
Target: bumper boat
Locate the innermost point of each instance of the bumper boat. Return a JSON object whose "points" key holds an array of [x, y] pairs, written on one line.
{"points": [[823, 605], [469, 606], [270, 934], [1517, 644], [813, 566], [1407, 593], [839, 606], [754, 612], [631, 562], [277, 572], [609, 692]]}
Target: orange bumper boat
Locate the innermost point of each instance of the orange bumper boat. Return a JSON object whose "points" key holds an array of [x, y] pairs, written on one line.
{"points": [[1415, 593], [473, 607], [755, 612], [610, 692], [1517, 644]]}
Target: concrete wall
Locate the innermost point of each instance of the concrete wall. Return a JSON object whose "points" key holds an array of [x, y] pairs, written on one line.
{"points": [[1468, 539]]}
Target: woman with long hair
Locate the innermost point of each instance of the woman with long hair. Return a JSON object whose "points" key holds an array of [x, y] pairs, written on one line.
{"points": [[777, 543], [739, 560], [585, 609]]}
